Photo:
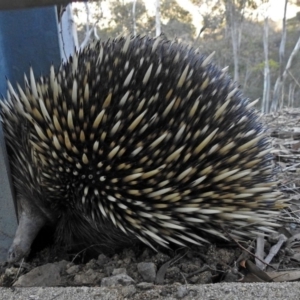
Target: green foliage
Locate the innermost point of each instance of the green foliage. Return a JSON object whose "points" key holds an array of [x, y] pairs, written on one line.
{"points": [[177, 22], [170, 10], [122, 16], [273, 65]]}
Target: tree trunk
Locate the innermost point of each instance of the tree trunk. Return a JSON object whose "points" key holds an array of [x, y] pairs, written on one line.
{"points": [[133, 17], [286, 72], [266, 93], [157, 18], [279, 82], [67, 33], [234, 21], [291, 95]]}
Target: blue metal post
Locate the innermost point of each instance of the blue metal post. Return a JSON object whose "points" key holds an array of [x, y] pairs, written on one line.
{"points": [[27, 37]]}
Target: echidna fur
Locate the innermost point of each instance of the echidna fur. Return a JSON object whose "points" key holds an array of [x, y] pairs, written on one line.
{"points": [[140, 138]]}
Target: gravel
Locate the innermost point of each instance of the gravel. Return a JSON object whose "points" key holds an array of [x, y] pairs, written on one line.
{"points": [[224, 291]]}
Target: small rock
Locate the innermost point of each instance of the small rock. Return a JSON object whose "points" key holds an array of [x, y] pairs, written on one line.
{"points": [[62, 264], [172, 273], [69, 265], [161, 258], [205, 277], [146, 254], [145, 285], [116, 257], [165, 292], [231, 277], [127, 260], [120, 262], [11, 272], [46, 275], [147, 270], [182, 291], [102, 260], [73, 269], [109, 270], [121, 279], [92, 264], [119, 271], [194, 279], [90, 277], [129, 253], [128, 291], [78, 278]]}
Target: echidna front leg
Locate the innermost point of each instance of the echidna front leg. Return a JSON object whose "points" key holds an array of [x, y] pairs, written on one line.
{"points": [[30, 223]]}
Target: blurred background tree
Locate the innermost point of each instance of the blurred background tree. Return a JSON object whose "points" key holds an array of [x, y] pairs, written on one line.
{"points": [[245, 34]]}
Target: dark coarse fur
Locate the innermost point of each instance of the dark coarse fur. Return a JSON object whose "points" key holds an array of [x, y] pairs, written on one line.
{"points": [[143, 138]]}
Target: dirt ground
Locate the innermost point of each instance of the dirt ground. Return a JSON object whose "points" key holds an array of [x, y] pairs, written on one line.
{"points": [[142, 268]]}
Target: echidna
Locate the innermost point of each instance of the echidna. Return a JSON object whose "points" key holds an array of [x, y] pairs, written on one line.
{"points": [[137, 138]]}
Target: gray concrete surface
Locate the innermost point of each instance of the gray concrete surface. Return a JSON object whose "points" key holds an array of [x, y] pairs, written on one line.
{"points": [[225, 291]]}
